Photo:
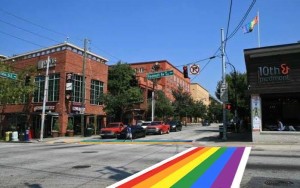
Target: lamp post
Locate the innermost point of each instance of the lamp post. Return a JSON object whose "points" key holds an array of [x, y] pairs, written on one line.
{"points": [[155, 68], [235, 95]]}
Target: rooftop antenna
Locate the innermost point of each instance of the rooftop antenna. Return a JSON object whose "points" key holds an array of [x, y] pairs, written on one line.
{"points": [[66, 41]]}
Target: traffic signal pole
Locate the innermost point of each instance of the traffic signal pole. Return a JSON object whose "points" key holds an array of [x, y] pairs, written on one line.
{"points": [[224, 83]]}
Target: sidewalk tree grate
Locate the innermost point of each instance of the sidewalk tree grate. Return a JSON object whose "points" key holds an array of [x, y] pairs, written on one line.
{"points": [[278, 182], [81, 166]]}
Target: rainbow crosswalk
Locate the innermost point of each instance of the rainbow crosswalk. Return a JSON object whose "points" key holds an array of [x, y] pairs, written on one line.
{"points": [[195, 167]]}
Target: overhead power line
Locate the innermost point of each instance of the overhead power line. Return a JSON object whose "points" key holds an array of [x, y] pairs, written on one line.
{"points": [[241, 22], [22, 39], [42, 36]]}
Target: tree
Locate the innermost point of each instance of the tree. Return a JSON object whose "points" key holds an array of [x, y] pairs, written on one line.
{"points": [[237, 96], [214, 111], [182, 103], [15, 91], [163, 106], [123, 92]]}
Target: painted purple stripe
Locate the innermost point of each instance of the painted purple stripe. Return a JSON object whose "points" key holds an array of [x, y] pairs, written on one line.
{"points": [[227, 174], [210, 175]]}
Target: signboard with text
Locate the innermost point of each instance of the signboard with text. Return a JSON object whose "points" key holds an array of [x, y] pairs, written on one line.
{"points": [[156, 75]]}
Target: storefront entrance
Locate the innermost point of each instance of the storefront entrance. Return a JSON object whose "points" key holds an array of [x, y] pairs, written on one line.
{"points": [[285, 106]]}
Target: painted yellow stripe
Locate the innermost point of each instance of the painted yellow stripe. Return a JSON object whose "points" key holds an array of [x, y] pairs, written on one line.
{"points": [[158, 176], [172, 178]]}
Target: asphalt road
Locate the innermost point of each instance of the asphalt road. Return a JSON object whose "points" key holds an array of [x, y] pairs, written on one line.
{"points": [[51, 164]]}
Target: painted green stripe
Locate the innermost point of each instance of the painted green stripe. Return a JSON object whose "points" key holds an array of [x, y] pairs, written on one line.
{"points": [[193, 176]]}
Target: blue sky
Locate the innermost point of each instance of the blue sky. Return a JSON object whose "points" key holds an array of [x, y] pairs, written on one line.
{"points": [[180, 31]]}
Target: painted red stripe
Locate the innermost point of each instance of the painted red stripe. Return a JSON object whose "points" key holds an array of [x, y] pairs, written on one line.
{"points": [[150, 173], [227, 174]]}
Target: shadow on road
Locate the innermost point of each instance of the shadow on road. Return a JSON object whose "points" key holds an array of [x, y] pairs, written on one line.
{"points": [[231, 137]]}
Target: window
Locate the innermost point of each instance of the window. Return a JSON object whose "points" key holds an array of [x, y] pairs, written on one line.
{"points": [[77, 90], [53, 88], [40, 84], [96, 91]]}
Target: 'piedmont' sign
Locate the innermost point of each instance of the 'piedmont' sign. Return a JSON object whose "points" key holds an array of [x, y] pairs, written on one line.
{"points": [[273, 73]]}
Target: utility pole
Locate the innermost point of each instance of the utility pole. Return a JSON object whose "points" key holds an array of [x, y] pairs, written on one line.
{"points": [[83, 87], [45, 99], [155, 68], [224, 84]]}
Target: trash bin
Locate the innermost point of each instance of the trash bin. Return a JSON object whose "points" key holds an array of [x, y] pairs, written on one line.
{"points": [[15, 136], [88, 131], [27, 135], [22, 136], [8, 136]]}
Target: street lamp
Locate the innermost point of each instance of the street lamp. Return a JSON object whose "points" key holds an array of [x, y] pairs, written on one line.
{"points": [[235, 95], [155, 68]]}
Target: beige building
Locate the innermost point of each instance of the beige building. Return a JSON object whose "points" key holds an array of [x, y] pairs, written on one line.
{"points": [[199, 93]]}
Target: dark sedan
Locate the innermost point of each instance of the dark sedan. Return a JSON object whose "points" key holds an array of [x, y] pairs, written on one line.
{"points": [[175, 125], [137, 132]]}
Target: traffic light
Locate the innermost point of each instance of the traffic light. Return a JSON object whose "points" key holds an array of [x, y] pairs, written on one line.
{"points": [[185, 72], [228, 106]]}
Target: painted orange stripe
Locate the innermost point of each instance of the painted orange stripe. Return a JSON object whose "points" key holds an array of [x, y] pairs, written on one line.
{"points": [[152, 172], [164, 173]]}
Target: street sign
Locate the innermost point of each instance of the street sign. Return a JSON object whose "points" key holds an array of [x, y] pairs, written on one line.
{"points": [[8, 75], [224, 93], [156, 75], [194, 69]]}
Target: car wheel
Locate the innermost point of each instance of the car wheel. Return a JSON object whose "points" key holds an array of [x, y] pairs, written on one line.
{"points": [[160, 132], [168, 131]]}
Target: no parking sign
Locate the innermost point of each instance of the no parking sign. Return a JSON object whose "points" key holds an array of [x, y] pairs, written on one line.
{"points": [[195, 69]]}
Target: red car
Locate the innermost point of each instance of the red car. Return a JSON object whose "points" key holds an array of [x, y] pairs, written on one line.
{"points": [[157, 127], [112, 130]]}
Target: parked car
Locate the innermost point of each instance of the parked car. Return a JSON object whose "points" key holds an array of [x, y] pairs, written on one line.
{"points": [[157, 127], [112, 130], [205, 122], [139, 122], [136, 130], [145, 124], [175, 125]]}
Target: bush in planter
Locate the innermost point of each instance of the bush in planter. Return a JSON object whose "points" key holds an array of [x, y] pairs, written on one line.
{"points": [[55, 129], [70, 128]]}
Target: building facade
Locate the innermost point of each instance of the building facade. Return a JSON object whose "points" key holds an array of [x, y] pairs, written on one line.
{"points": [[273, 75], [65, 102], [199, 93], [165, 84]]}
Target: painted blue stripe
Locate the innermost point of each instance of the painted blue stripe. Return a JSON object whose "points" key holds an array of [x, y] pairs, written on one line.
{"points": [[210, 175]]}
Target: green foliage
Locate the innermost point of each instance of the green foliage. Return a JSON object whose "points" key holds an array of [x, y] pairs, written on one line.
{"points": [[15, 91], [56, 126], [163, 106], [70, 124], [237, 93], [183, 103], [121, 96]]}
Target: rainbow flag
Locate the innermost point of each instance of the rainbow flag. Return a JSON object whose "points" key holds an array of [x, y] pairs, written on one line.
{"points": [[250, 26], [195, 167]]}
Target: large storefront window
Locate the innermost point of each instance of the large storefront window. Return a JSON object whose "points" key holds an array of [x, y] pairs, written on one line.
{"points": [[53, 88], [77, 90], [285, 107], [96, 91]]}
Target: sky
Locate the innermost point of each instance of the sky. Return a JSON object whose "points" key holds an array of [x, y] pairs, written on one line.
{"points": [[182, 32]]}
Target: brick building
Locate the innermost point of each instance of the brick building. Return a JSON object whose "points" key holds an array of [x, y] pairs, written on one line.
{"points": [[166, 84], [61, 106]]}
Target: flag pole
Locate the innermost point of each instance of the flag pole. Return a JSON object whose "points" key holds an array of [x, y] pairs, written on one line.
{"points": [[258, 31]]}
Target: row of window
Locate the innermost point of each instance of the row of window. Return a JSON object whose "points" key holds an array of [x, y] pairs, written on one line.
{"points": [[57, 49], [96, 89]]}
